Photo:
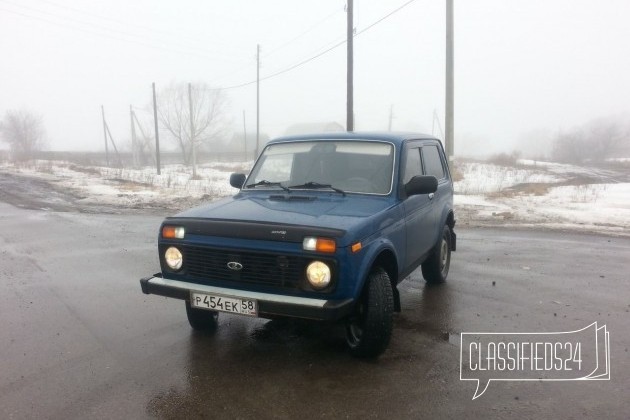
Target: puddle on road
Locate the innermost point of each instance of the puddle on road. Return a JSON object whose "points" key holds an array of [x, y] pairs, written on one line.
{"points": [[425, 328]]}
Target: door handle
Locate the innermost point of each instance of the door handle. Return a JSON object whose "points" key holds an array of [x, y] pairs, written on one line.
{"points": [[431, 196]]}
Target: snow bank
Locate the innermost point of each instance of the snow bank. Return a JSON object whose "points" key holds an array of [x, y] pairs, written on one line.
{"points": [[601, 207], [483, 178]]}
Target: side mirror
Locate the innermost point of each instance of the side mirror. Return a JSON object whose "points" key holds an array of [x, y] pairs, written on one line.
{"points": [[237, 180], [421, 184]]}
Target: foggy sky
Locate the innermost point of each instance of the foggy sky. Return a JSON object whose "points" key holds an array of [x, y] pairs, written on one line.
{"points": [[524, 69]]}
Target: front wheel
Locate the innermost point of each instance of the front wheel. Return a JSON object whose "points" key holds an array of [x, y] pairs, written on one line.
{"points": [[201, 319], [435, 268], [369, 330]]}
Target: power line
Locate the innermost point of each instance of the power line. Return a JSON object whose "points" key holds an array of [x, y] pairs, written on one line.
{"points": [[384, 17], [236, 86], [121, 23], [310, 29], [108, 32], [301, 63], [242, 68]]}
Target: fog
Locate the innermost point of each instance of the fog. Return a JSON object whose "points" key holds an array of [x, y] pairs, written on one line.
{"points": [[524, 70]]}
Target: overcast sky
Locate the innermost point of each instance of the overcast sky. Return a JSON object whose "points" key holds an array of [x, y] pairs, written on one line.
{"points": [[523, 68]]}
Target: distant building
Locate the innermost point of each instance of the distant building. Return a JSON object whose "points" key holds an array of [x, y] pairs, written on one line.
{"points": [[238, 145]]}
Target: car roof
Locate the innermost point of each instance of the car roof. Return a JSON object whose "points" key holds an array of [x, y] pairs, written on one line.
{"points": [[393, 137]]}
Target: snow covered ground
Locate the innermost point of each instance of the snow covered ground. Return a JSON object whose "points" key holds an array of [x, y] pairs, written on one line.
{"points": [[482, 178], [173, 189], [545, 194], [532, 193]]}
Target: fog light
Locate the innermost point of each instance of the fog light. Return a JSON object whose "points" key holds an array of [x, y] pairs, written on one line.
{"points": [[318, 274], [173, 258]]}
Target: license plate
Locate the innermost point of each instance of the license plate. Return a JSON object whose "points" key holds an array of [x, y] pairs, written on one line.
{"points": [[224, 304]]}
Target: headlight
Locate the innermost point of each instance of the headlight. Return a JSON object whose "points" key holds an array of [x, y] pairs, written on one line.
{"points": [[318, 274], [173, 258]]}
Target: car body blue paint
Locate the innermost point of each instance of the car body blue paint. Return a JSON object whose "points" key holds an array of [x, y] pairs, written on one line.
{"points": [[375, 221]]}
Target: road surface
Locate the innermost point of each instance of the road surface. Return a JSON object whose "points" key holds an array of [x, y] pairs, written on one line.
{"points": [[80, 340]]}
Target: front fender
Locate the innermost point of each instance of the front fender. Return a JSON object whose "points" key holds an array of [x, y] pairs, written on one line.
{"points": [[369, 255]]}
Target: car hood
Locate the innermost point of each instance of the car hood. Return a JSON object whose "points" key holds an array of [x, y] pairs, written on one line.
{"points": [[351, 215]]}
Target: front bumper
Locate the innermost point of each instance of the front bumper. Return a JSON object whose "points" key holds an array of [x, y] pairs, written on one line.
{"points": [[269, 305]]}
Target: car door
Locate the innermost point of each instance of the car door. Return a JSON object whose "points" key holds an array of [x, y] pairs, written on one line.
{"points": [[433, 164], [419, 218]]}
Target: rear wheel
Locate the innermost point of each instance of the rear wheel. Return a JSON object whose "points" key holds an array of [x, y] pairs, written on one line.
{"points": [[435, 268], [201, 319], [370, 328]]}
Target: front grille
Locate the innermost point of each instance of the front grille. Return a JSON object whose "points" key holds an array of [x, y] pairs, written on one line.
{"points": [[258, 268]]}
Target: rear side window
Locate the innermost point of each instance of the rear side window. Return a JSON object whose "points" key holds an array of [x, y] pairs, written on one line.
{"points": [[432, 161]]}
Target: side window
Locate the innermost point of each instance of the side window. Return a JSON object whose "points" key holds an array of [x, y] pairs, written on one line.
{"points": [[432, 161], [413, 166]]}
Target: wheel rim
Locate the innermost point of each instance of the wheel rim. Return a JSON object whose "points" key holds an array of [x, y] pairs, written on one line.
{"points": [[354, 333], [444, 256], [354, 330]]}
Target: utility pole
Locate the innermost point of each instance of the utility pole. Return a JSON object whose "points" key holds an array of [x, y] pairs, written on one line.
{"points": [[134, 146], [350, 69], [119, 161], [391, 117], [157, 137], [105, 135], [449, 115], [193, 140], [144, 136], [436, 117], [257, 99], [244, 137]]}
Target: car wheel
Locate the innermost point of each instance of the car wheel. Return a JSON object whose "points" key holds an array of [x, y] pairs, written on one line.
{"points": [[201, 319], [435, 268], [369, 329]]}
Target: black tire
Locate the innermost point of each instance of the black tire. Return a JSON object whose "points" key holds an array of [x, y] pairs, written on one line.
{"points": [[369, 330], [201, 319], [435, 268]]}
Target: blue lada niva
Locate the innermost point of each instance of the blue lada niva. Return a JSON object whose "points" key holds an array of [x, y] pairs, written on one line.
{"points": [[324, 228]]}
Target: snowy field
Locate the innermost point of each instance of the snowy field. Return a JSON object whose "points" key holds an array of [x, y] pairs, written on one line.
{"points": [[174, 188], [537, 194], [544, 194]]}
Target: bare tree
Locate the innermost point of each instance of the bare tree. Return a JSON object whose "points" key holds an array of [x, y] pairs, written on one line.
{"points": [[145, 141], [606, 137], [595, 141], [570, 147], [24, 132], [208, 116]]}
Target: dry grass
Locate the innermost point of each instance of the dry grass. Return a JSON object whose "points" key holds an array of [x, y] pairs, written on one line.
{"points": [[83, 169], [456, 173], [506, 215], [44, 167], [126, 185], [538, 189], [505, 159], [242, 168]]}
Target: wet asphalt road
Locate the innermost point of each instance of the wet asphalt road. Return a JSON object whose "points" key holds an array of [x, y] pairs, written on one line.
{"points": [[80, 340]]}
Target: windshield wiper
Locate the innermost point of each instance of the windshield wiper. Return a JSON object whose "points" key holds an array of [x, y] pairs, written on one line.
{"points": [[266, 183], [316, 185]]}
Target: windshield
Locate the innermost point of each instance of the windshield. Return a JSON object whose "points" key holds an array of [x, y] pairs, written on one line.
{"points": [[351, 166]]}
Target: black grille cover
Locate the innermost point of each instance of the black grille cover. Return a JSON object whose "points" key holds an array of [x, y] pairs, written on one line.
{"points": [[257, 267]]}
